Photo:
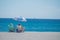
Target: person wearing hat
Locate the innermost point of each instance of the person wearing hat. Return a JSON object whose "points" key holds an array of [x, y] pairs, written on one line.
{"points": [[11, 27]]}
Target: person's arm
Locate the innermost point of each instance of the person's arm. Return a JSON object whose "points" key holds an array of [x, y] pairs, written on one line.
{"points": [[22, 29]]}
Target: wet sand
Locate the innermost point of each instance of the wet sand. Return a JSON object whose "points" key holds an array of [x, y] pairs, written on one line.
{"points": [[30, 36]]}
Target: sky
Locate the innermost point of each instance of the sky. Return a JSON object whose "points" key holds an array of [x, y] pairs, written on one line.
{"points": [[45, 9]]}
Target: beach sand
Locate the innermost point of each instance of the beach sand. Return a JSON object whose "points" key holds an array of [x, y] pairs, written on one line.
{"points": [[30, 36]]}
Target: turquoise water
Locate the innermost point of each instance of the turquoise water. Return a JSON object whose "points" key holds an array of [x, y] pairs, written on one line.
{"points": [[36, 25]]}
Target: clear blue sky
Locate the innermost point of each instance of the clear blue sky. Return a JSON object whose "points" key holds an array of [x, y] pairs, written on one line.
{"points": [[30, 8]]}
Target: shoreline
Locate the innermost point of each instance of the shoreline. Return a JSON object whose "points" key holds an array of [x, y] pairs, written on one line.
{"points": [[30, 36]]}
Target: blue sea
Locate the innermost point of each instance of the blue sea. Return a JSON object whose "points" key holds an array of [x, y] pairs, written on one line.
{"points": [[34, 25]]}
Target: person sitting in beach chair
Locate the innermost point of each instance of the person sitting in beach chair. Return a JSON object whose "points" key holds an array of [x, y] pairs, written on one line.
{"points": [[19, 28], [11, 27]]}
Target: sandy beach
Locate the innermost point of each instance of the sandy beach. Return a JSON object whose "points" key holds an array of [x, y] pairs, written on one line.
{"points": [[30, 36]]}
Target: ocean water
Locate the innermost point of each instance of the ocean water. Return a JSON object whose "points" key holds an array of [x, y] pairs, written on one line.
{"points": [[35, 25]]}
